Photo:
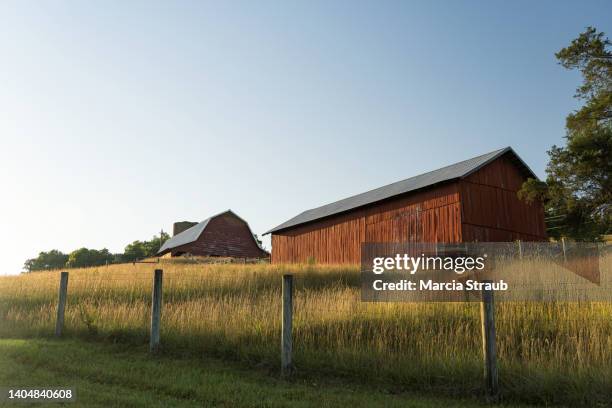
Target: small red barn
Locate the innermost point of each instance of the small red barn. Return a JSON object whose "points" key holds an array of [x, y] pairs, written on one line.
{"points": [[473, 200], [225, 235]]}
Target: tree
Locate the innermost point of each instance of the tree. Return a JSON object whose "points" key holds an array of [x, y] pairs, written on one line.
{"points": [[83, 257], [134, 251], [259, 241], [144, 249], [153, 246], [53, 259], [578, 190]]}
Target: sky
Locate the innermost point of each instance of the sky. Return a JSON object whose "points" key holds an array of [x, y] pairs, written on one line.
{"points": [[119, 118]]}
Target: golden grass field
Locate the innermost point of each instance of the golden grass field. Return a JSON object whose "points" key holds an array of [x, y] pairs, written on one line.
{"points": [[549, 353]]}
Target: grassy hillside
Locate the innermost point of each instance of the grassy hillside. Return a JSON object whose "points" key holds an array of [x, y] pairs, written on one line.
{"points": [[548, 352]]}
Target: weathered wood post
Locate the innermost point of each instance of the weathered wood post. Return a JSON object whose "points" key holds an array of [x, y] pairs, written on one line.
{"points": [[61, 304], [156, 303], [563, 247], [487, 316], [520, 248], [287, 326]]}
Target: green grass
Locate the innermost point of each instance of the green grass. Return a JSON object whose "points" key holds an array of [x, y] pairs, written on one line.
{"points": [[111, 375]]}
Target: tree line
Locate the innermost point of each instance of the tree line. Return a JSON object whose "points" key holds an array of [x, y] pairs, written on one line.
{"points": [[85, 257]]}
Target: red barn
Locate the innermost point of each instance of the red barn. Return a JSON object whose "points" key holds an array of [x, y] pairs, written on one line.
{"points": [[224, 234], [473, 200]]}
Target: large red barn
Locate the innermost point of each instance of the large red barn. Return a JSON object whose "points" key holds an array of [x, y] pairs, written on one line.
{"points": [[473, 200]]}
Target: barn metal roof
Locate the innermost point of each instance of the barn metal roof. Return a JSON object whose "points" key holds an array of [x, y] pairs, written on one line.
{"points": [[188, 236], [452, 172]]}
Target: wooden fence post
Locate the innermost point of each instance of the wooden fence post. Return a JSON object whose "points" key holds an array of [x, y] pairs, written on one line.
{"points": [[487, 316], [520, 248], [61, 304], [287, 325], [563, 247], [156, 303]]}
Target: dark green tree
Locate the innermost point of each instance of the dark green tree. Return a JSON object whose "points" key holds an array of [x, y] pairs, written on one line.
{"points": [[578, 190], [134, 251], [144, 249], [84, 257], [53, 259], [153, 246]]}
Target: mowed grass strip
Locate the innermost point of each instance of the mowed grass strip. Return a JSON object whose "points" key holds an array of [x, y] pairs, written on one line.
{"points": [[106, 375]]}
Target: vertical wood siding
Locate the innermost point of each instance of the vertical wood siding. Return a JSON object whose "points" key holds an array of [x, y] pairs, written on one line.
{"points": [[335, 240], [491, 209], [429, 216]]}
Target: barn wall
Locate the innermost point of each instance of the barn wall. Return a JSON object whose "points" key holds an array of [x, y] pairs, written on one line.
{"points": [[429, 216], [225, 235], [491, 209], [334, 240]]}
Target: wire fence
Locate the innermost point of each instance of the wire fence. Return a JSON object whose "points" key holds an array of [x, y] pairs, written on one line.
{"points": [[326, 313]]}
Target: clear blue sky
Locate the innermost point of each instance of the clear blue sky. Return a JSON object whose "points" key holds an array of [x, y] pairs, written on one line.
{"points": [[119, 118]]}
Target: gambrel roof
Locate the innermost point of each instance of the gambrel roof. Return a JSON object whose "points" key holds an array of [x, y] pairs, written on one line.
{"points": [[192, 234]]}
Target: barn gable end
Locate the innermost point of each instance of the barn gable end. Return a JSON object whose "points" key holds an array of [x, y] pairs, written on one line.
{"points": [[492, 211]]}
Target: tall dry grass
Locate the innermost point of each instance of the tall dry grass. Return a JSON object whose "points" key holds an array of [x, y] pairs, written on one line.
{"points": [[552, 352]]}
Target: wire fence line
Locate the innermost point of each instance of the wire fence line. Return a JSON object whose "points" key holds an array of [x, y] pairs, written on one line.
{"points": [[217, 303], [249, 308]]}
